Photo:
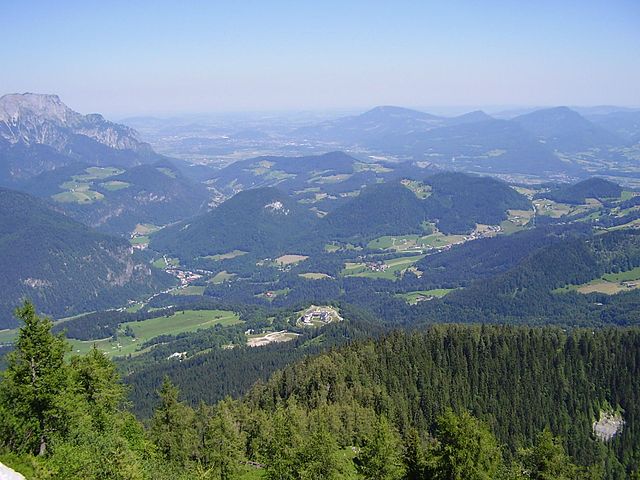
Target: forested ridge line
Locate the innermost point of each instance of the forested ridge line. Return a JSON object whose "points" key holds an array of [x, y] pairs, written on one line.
{"points": [[449, 402]]}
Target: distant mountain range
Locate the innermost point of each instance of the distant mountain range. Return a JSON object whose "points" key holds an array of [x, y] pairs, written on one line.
{"points": [[96, 171], [531, 143], [62, 265], [39, 133]]}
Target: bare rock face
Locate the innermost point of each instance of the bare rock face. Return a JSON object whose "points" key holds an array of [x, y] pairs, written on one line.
{"points": [[32, 118], [39, 133], [608, 426]]}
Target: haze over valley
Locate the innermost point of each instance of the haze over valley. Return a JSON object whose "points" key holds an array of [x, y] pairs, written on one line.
{"points": [[235, 246]]}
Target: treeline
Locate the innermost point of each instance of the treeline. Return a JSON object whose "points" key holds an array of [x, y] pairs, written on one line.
{"points": [[450, 403]]}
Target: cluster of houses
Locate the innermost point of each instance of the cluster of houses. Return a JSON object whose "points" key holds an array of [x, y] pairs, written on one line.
{"points": [[185, 276], [376, 266]]}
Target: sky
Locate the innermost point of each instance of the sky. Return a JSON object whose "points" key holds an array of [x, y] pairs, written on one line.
{"points": [[171, 57]]}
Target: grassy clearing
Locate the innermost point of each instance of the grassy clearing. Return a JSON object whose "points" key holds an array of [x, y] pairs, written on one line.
{"points": [[165, 262], [226, 256], [189, 290], [407, 243], [370, 167], [421, 295], [632, 224], [98, 173], [329, 179], [272, 294], [420, 190], [145, 229], [134, 307], [167, 171], [609, 284], [139, 240], [551, 208], [183, 321], [222, 277], [179, 322], [290, 259], [78, 189], [393, 267], [81, 195], [627, 195], [527, 192], [115, 185], [314, 275], [629, 275]]}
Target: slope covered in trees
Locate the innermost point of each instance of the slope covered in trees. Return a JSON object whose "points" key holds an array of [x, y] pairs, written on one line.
{"points": [[451, 402], [263, 221], [577, 193], [65, 266]]}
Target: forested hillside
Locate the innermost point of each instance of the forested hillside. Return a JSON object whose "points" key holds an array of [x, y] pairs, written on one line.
{"points": [[451, 402], [262, 221], [63, 265]]}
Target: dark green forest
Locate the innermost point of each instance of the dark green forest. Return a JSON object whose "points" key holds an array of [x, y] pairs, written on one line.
{"points": [[449, 402]]}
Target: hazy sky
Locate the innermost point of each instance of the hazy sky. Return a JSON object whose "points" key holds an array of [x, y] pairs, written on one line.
{"points": [[161, 57]]}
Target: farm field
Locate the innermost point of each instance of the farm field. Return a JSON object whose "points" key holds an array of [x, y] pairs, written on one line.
{"points": [[222, 277], [271, 294], [405, 243], [290, 259], [114, 185], [393, 266], [421, 295], [145, 229], [139, 240], [78, 188], [314, 275], [81, 193], [165, 262], [553, 209], [420, 190], [609, 284], [179, 322], [189, 290], [516, 221], [226, 256]]}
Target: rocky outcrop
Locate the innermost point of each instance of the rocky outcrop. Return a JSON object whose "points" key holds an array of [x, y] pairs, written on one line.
{"points": [[32, 118]]}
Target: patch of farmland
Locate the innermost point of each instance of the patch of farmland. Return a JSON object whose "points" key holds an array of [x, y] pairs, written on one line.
{"points": [[189, 290], [414, 297], [609, 283], [290, 259], [114, 185], [314, 276], [179, 322], [222, 277], [390, 269], [226, 256]]}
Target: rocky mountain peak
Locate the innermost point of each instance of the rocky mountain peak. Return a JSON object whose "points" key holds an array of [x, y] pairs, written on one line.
{"points": [[32, 118]]}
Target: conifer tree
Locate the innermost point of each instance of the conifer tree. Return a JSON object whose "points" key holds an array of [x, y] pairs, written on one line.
{"points": [[380, 456], [34, 385], [465, 449]]}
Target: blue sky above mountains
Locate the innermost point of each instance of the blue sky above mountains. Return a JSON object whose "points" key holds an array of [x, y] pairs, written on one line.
{"points": [[161, 57]]}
